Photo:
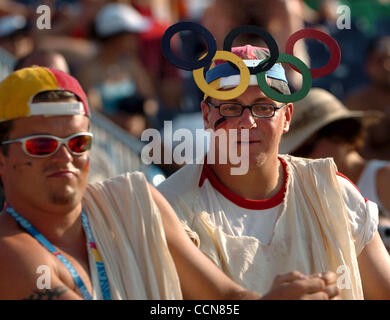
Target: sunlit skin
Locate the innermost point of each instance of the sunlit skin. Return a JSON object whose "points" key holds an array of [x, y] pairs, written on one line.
{"points": [[264, 137], [50, 187]]}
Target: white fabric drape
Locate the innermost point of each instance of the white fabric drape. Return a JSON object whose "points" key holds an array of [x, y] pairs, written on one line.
{"points": [[127, 228]]}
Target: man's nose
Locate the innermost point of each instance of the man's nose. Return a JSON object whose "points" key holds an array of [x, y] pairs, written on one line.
{"points": [[62, 154], [247, 121]]}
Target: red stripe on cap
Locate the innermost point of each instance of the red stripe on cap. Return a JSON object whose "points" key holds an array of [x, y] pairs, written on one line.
{"points": [[67, 82]]}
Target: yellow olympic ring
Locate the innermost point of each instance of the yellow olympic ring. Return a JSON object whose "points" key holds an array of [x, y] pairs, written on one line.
{"points": [[228, 94]]}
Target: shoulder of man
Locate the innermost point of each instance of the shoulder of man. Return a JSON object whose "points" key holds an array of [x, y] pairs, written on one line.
{"points": [[123, 179], [307, 162], [362, 214], [23, 261]]}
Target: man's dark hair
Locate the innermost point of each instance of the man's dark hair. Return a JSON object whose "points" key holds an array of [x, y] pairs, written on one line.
{"points": [[347, 131], [53, 96]]}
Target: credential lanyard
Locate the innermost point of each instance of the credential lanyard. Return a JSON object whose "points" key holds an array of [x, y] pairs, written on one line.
{"points": [[75, 275], [101, 270]]}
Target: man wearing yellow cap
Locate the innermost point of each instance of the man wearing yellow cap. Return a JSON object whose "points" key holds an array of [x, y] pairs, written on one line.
{"points": [[285, 213], [119, 239]]}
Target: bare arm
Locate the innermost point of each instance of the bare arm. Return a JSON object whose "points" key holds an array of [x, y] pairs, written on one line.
{"points": [[374, 265], [200, 278], [19, 276]]}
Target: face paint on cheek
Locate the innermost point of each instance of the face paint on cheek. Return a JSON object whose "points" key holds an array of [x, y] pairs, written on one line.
{"points": [[86, 167], [219, 122]]}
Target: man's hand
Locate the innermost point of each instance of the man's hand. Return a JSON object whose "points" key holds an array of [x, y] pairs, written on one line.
{"points": [[297, 286], [330, 279]]}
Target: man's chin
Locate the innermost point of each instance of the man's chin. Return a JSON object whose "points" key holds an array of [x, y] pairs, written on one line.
{"points": [[64, 197]]}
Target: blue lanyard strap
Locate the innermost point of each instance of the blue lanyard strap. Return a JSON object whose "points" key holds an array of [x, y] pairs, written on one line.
{"points": [[41, 239], [103, 280]]}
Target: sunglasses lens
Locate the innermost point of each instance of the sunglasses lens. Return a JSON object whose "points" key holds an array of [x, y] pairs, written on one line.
{"points": [[80, 144], [41, 146]]}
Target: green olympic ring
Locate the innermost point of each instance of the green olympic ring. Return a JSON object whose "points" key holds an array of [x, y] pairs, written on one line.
{"points": [[306, 82]]}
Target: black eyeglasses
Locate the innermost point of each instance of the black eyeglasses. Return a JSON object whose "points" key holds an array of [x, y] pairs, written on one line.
{"points": [[258, 110]]}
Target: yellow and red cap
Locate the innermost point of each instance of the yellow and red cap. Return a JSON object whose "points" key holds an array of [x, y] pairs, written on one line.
{"points": [[18, 90]]}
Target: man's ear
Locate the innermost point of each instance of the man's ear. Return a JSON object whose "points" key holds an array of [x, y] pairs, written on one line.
{"points": [[288, 116], [205, 112]]}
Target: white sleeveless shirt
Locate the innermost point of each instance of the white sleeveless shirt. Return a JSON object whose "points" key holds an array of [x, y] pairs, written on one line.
{"points": [[367, 182]]}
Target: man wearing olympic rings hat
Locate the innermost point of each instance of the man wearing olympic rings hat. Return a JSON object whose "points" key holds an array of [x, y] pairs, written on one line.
{"points": [[285, 213], [118, 239]]}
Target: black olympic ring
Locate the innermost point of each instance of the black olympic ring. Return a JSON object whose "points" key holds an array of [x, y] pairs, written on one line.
{"points": [[266, 36], [186, 65]]}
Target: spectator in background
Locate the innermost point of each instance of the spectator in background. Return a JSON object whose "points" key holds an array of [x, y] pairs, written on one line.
{"points": [[376, 96], [8, 7], [323, 127], [42, 57], [131, 116], [366, 13], [14, 42], [363, 20], [71, 18], [117, 71], [162, 11], [165, 77], [323, 13], [280, 18]]}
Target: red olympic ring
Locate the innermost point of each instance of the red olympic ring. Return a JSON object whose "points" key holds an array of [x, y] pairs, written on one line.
{"points": [[335, 52]]}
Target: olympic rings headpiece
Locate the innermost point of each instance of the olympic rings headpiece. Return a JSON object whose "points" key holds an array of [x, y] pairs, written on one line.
{"points": [[242, 73]]}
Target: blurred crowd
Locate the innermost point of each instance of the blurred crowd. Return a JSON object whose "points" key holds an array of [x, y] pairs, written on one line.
{"points": [[114, 49]]}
